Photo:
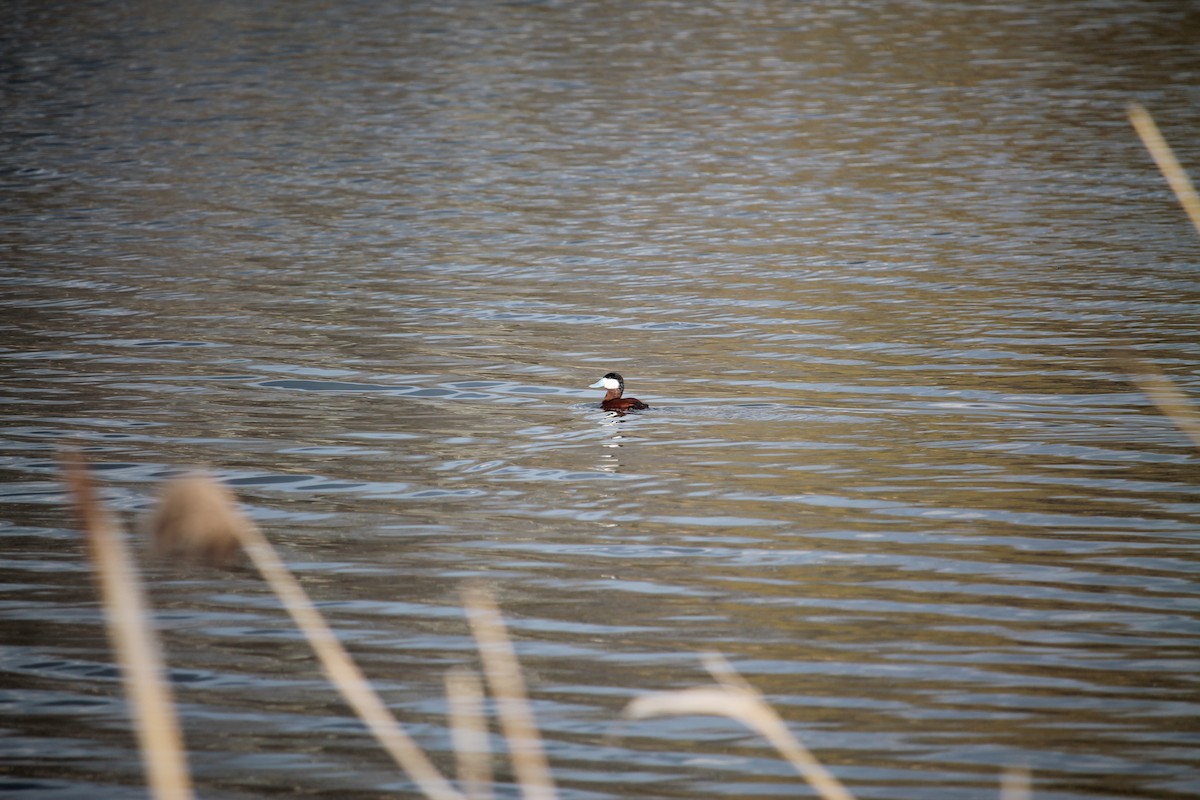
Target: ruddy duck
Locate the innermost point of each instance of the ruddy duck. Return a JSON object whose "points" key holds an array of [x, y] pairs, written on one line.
{"points": [[613, 401]]}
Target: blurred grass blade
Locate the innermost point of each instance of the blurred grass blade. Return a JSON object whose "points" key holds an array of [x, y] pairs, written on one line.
{"points": [[344, 673], [503, 673], [1016, 784], [468, 730], [1162, 154], [1169, 399], [723, 672], [131, 632], [747, 707], [200, 496]]}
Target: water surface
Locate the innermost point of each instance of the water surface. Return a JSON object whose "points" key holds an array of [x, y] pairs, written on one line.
{"points": [[868, 263]]}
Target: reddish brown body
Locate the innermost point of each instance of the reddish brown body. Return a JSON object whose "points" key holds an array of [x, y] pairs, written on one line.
{"points": [[614, 386], [614, 402]]}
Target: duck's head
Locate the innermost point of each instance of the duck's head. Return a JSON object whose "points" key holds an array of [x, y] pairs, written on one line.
{"points": [[610, 382]]}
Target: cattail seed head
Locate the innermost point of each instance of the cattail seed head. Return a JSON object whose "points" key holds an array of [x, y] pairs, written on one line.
{"points": [[198, 518]]}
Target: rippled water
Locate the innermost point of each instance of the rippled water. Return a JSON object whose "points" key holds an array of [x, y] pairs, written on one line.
{"points": [[868, 263]]}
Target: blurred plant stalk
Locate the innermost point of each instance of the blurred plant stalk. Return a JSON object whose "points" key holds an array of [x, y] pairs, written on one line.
{"points": [[133, 638]]}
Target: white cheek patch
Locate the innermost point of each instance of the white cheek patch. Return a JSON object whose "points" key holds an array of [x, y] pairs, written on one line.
{"points": [[610, 383]]}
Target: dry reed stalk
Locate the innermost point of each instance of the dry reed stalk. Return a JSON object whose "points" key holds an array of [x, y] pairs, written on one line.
{"points": [[132, 635], [1016, 784], [1172, 402], [503, 674], [200, 495], [735, 699], [1162, 154], [468, 730]]}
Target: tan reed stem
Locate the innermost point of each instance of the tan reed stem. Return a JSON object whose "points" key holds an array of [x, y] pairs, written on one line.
{"points": [[342, 671], [199, 517], [468, 730], [1016, 784], [132, 635], [1162, 154], [735, 699], [1169, 399], [503, 673]]}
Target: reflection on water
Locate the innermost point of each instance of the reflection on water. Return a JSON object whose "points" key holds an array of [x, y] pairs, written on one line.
{"points": [[610, 453], [868, 264]]}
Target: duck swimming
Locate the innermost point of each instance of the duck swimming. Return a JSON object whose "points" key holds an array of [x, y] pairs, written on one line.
{"points": [[613, 401]]}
